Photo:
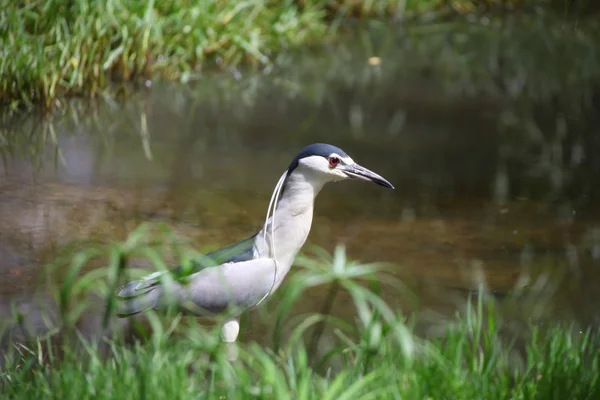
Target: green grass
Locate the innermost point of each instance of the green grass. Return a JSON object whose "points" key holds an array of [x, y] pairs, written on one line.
{"points": [[52, 48], [556, 367], [378, 356]]}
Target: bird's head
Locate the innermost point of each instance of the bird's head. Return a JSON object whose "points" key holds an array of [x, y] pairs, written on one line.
{"points": [[331, 163]]}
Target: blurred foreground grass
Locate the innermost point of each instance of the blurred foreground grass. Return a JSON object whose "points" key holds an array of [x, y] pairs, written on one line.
{"points": [[53, 48], [377, 356]]}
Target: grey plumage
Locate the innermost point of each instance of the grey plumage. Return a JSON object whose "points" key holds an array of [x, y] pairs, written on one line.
{"points": [[231, 287], [141, 295]]}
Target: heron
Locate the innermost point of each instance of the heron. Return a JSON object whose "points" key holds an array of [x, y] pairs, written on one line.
{"points": [[241, 276]]}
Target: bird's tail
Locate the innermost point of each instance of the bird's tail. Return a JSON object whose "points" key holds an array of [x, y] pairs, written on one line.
{"points": [[132, 300]]}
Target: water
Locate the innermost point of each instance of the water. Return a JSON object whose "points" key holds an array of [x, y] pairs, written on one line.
{"points": [[481, 189]]}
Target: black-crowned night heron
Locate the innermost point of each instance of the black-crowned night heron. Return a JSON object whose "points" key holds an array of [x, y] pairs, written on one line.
{"points": [[244, 274]]}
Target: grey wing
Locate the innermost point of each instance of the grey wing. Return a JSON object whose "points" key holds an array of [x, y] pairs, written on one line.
{"points": [[233, 287], [240, 285], [237, 252], [240, 251]]}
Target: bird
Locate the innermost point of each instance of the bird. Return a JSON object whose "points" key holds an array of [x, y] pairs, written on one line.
{"points": [[241, 276]]}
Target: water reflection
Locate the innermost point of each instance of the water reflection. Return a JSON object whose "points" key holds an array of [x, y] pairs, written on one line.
{"points": [[481, 188]]}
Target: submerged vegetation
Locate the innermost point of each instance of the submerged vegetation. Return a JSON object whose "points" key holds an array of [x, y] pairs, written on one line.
{"points": [[51, 49], [379, 356]]}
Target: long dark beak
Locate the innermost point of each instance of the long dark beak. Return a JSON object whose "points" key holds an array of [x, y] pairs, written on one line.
{"points": [[357, 172]]}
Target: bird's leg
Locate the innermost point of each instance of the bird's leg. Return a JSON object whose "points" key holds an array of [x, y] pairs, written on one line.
{"points": [[230, 330], [229, 333]]}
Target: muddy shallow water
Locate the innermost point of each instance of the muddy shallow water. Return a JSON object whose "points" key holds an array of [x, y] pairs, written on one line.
{"points": [[469, 196]]}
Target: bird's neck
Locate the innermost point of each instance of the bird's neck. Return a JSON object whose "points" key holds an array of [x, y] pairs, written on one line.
{"points": [[292, 220]]}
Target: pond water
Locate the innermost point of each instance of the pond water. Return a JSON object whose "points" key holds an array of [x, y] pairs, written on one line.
{"points": [[474, 193]]}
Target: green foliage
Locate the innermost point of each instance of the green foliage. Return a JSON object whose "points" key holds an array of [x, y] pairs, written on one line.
{"points": [[51, 48], [381, 355]]}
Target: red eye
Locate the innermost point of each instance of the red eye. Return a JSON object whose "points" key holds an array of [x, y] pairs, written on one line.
{"points": [[333, 161]]}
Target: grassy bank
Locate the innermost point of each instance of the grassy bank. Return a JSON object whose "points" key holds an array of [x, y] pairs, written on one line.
{"points": [[378, 356], [52, 48]]}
